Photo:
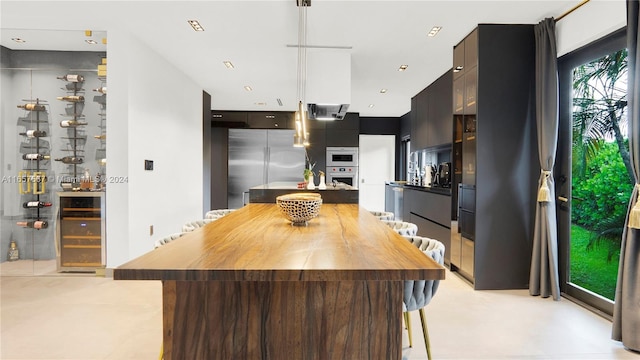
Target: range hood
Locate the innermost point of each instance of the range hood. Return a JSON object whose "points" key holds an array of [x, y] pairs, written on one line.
{"points": [[327, 111], [328, 88]]}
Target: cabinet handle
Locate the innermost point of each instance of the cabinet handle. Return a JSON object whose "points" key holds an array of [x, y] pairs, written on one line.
{"points": [[563, 199]]}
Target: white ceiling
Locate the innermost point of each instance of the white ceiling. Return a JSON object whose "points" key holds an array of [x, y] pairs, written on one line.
{"points": [[253, 35]]}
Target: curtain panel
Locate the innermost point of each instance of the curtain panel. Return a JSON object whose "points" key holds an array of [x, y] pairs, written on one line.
{"points": [[543, 277], [626, 310]]}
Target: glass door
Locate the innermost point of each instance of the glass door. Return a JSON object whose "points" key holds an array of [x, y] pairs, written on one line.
{"points": [[596, 184]]}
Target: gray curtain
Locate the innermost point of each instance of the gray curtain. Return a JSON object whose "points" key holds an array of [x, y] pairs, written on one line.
{"points": [[543, 278], [626, 311]]}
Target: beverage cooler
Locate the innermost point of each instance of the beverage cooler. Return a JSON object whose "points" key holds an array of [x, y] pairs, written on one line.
{"points": [[80, 233]]}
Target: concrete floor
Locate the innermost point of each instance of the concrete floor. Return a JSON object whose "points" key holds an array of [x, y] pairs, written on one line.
{"points": [[72, 316]]}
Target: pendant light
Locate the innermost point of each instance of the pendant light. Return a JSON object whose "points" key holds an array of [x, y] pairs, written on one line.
{"points": [[301, 137]]}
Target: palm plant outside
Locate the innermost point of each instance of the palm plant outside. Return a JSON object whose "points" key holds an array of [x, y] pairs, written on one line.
{"points": [[602, 178]]}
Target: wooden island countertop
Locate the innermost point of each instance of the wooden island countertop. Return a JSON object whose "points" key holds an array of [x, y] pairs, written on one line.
{"points": [[250, 285]]}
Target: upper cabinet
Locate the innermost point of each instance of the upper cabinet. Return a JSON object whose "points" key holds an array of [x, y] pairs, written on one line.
{"points": [[228, 119], [253, 119], [271, 120], [345, 132], [439, 125], [431, 114], [419, 110]]}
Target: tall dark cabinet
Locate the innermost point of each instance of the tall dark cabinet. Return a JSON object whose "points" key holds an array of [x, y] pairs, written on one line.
{"points": [[494, 156]]}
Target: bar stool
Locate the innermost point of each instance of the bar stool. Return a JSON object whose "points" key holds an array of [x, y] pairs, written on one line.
{"points": [[190, 226], [418, 293], [218, 213], [402, 227], [383, 215], [167, 239]]}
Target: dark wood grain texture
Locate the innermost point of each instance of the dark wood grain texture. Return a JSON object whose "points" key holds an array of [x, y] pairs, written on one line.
{"points": [[283, 320], [251, 286]]}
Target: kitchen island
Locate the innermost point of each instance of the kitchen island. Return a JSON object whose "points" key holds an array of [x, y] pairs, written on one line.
{"points": [[251, 286], [339, 194]]}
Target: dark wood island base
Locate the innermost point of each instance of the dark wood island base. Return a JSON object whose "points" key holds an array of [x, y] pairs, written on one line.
{"points": [[282, 320]]}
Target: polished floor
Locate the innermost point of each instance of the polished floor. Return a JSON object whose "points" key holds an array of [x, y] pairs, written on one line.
{"points": [[54, 317]]}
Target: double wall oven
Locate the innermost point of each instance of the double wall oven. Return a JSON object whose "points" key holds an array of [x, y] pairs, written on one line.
{"points": [[342, 165]]}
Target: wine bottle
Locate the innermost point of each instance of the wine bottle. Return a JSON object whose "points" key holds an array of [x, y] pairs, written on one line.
{"points": [[102, 90], [34, 133], [72, 78], [32, 107], [14, 252], [71, 160], [71, 123], [100, 137], [35, 157], [35, 204], [71, 98], [38, 224]]}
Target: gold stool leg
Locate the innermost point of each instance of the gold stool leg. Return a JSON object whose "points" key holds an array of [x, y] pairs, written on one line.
{"points": [[407, 322], [161, 352], [425, 332]]}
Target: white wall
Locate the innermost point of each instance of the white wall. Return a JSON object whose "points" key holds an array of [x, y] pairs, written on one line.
{"points": [[155, 113], [590, 22]]}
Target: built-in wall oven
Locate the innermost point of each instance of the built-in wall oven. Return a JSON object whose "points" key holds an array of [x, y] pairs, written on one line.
{"points": [[342, 156], [342, 165], [342, 174]]}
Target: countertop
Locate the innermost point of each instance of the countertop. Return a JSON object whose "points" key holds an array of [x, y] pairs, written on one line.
{"points": [[294, 186], [431, 189], [256, 243], [268, 193]]}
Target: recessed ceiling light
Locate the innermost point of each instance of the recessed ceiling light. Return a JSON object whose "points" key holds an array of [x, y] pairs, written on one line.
{"points": [[434, 31], [262, 103], [195, 25], [248, 88], [228, 64], [18, 40], [371, 105], [403, 67], [383, 91], [92, 42]]}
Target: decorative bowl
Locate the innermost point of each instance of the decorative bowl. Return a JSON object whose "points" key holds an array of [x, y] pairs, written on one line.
{"points": [[299, 207]]}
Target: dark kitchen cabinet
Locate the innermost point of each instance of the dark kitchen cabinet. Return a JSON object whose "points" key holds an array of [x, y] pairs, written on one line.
{"points": [[317, 150], [419, 124], [494, 156], [271, 120], [439, 101], [413, 116], [458, 60], [229, 119], [431, 114], [429, 210], [344, 132]]}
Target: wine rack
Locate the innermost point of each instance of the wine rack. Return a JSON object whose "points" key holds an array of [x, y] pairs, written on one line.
{"points": [[76, 136], [35, 150], [101, 99], [81, 231]]}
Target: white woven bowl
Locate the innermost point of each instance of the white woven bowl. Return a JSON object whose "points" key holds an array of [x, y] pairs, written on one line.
{"points": [[299, 207]]}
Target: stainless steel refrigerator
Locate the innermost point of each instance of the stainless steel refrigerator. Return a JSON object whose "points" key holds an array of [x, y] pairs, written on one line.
{"points": [[258, 157]]}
